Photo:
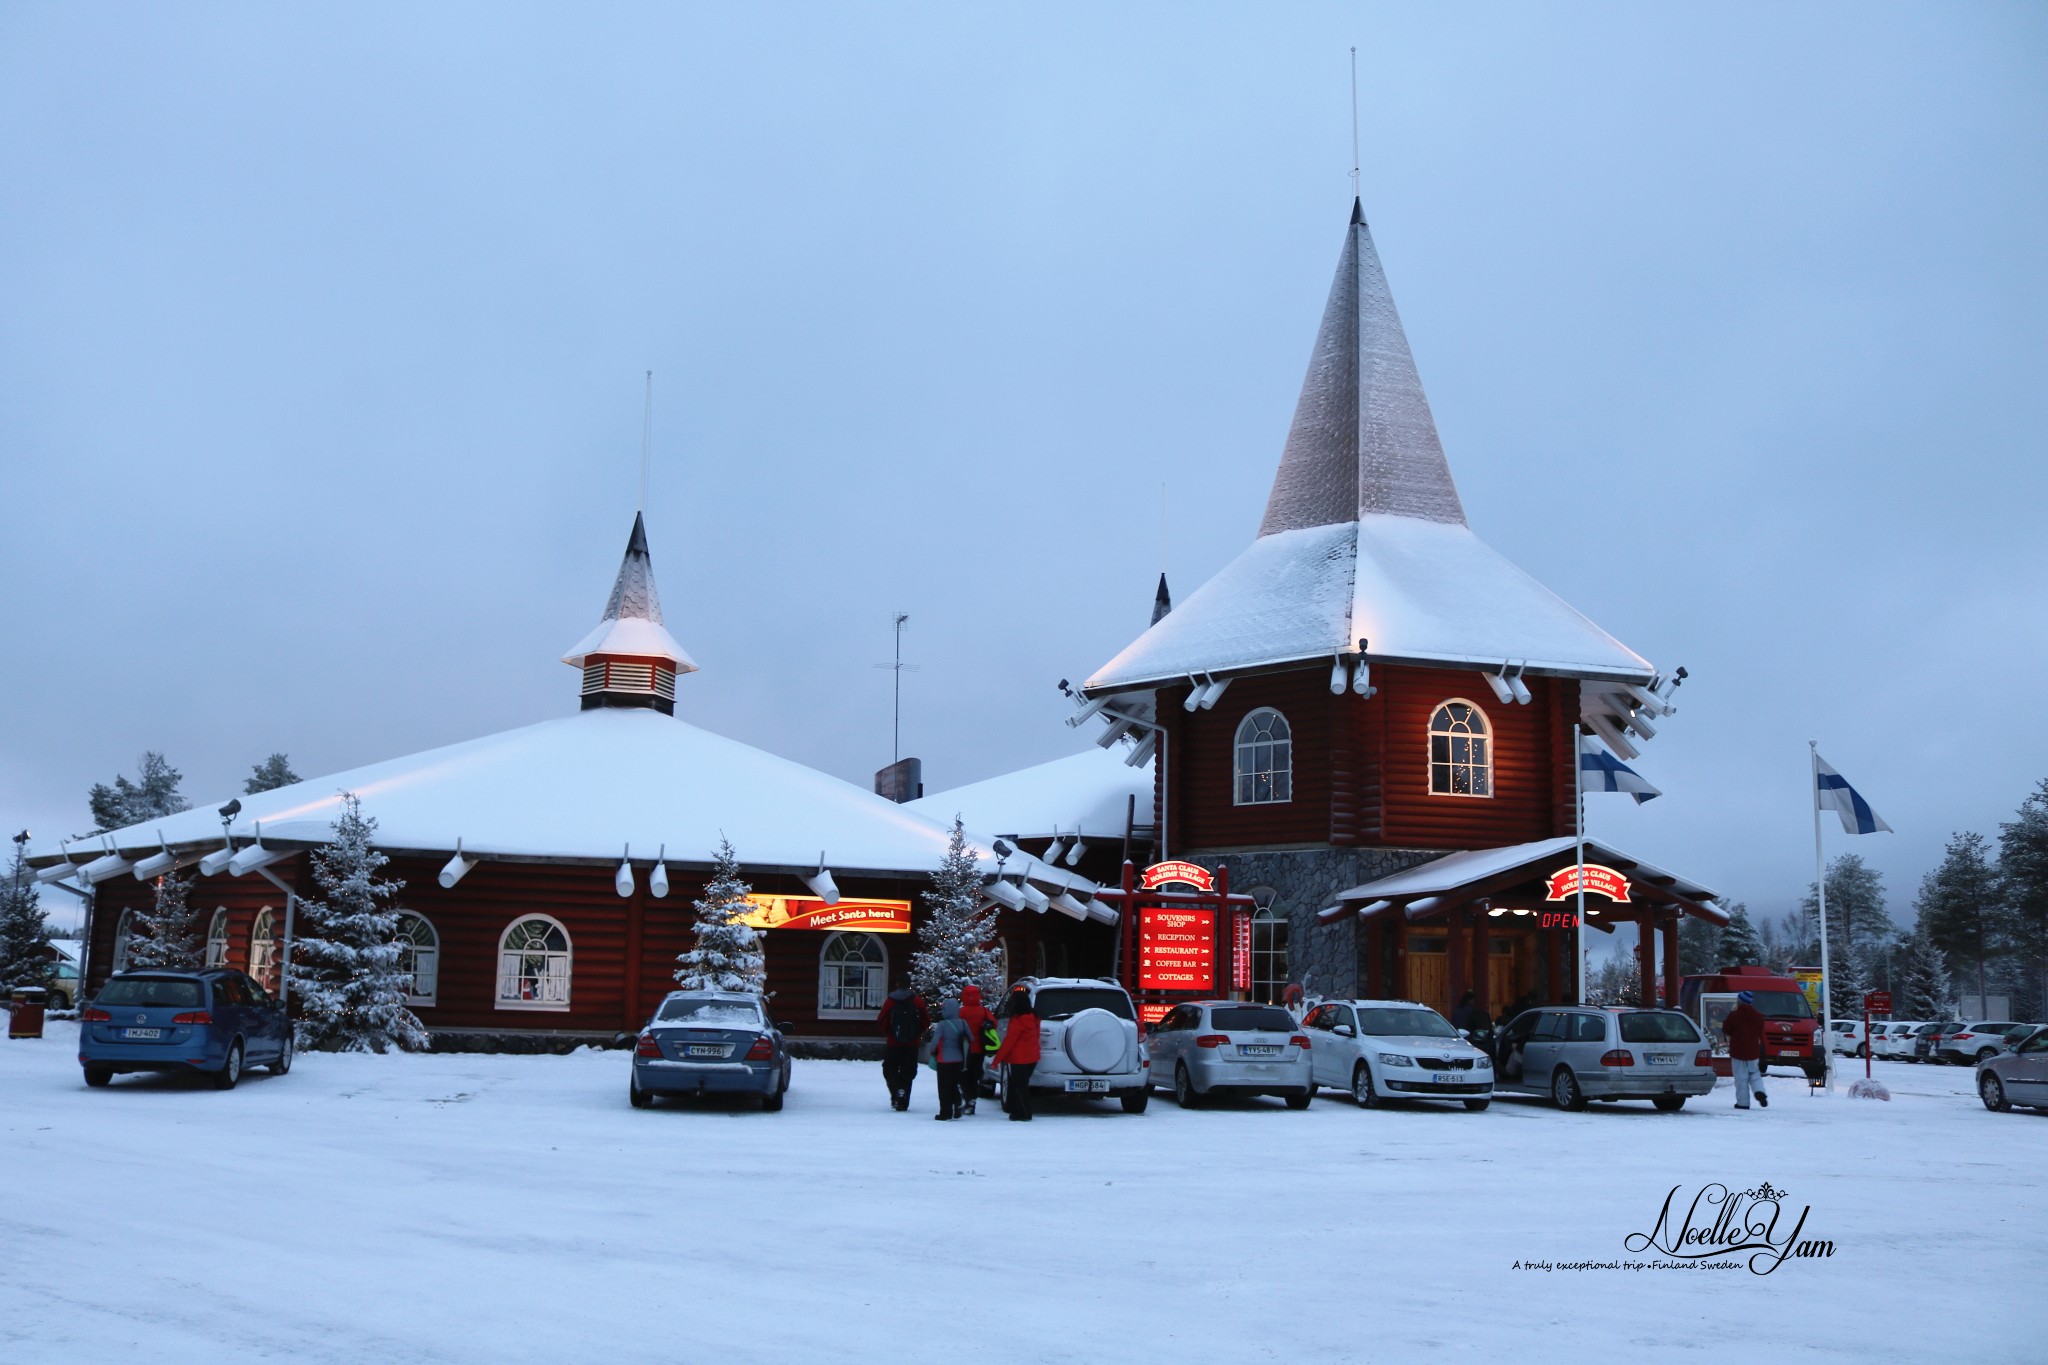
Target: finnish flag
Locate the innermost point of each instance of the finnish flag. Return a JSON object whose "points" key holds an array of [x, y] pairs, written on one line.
{"points": [[1600, 771], [1837, 795]]}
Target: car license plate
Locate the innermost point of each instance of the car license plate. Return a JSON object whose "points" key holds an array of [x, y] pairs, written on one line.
{"points": [[1446, 1078], [1662, 1058], [1258, 1049], [707, 1050], [142, 1033], [1784, 1052], [1081, 1085]]}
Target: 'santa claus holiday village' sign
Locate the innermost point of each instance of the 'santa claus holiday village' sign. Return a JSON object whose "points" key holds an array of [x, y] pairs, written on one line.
{"points": [[1188, 874], [1599, 881]]}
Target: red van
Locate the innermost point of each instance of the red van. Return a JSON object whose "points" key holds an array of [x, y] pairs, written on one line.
{"points": [[1790, 1029]]}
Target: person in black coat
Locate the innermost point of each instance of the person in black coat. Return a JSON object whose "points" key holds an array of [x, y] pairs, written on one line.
{"points": [[1468, 1015]]}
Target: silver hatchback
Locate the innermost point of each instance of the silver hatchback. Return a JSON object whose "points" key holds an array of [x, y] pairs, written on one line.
{"points": [[1576, 1054], [1224, 1047]]}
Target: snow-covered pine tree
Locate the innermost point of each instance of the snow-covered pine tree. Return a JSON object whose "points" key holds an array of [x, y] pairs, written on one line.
{"points": [[151, 797], [2023, 873], [26, 958], [345, 969], [166, 936], [1961, 910], [1858, 928], [727, 954], [1740, 945], [1699, 945], [1921, 987], [952, 944], [269, 775]]}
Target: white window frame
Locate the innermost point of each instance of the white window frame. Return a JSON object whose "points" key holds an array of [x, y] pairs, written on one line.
{"points": [[832, 984], [1278, 773], [124, 929], [1267, 987], [217, 938], [412, 954], [1480, 767], [556, 967], [263, 964]]}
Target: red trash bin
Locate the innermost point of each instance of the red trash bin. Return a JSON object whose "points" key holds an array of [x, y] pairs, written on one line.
{"points": [[27, 1018]]}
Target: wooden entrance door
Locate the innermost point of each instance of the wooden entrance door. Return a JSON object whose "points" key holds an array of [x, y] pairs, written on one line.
{"points": [[1429, 979], [1500, 980]]}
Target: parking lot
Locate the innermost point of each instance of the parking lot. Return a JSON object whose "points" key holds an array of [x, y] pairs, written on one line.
{"points": [[515, 1208]]}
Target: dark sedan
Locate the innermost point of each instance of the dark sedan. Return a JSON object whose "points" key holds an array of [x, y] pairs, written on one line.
{"points": [[710, 1043], [212, 1023]]}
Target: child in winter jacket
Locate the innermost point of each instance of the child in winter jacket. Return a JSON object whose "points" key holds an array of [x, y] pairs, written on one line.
{"points": [[949, 1054], [981, 1027], [1019, 1052]]}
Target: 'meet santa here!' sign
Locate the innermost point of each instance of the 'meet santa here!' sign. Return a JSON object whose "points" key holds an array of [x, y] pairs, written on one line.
{"points": [[1176, 949]]}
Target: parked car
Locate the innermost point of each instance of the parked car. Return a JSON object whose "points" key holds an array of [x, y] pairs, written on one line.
{"points": [[215, 1023], [1381, 1050], [710, 1043], [1088, 1041], [1893, 1040], [1580, 1053], [1924, 1038], [1789, 1025], [64, 989], [1222, 1047], [1845, 1037], [1974, 1043], [2016, 1077]]}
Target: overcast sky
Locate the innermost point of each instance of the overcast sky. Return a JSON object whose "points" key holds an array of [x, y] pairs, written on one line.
{"points": [[322, 331]]}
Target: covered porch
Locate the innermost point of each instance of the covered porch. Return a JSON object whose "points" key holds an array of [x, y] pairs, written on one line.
{"points": [[1503, 923]]}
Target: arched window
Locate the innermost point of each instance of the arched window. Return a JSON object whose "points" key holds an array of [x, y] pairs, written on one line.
{"points": [[1460, 751], [533, 965], [217, 939], [263, 950], [124, 930], [419, 957], [1269, 949], [1265, 758], [853, 976]]}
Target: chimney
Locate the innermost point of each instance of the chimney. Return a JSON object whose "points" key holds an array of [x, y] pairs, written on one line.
{"points": [[901, 781]]}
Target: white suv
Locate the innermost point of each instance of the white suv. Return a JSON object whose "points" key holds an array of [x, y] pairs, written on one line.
{"points": [[1845, 1037], [1088, 1040], [1894, 1039]]}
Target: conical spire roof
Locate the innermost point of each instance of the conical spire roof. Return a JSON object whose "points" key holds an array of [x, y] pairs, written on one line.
{"points": [[1363, 439], [632, 626], [1162, 601]]}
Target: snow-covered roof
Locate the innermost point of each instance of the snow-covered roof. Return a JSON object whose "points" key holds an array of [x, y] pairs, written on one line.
{"points": [[1457, 870], [1086, 792], [632, 623], [1364, 537]]}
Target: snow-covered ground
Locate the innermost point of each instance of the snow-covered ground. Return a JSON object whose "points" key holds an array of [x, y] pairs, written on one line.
{"points": [[507, 1209]]}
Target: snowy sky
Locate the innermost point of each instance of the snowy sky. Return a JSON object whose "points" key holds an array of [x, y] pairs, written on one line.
{"points": [[324, 332]]}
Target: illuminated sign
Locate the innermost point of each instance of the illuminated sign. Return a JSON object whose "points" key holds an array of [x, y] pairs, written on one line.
{"points": [[809, 912], [1176, 949], [1599, 881], [1149, 1015], [1190, 874], [1241, 950]]}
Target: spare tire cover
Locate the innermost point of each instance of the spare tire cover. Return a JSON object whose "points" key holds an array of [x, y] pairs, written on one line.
{"points": [[1095, 1040]]}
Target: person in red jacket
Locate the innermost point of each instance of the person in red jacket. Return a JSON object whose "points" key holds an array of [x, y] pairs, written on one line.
{"points": [[1744, 1029], [1019, 1052], [979, 1021]]}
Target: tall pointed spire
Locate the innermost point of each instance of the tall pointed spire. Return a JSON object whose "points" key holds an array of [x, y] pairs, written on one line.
{"points": [[1162, 601], [1363, 440], [630, 659]]}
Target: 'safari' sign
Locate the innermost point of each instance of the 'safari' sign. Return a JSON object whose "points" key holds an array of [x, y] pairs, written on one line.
{"points": [[809, 912], [1187, 874], [1599, 881]]}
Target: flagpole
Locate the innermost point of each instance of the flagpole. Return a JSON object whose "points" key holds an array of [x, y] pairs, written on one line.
{"points": [[1579, 799], [1820, 890]]}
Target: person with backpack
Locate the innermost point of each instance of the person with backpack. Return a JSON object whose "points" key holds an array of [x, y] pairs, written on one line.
{"points": [[1744, 1029], [950, 1041], [1019, 1052], [982, 1039], [904, 1020]]}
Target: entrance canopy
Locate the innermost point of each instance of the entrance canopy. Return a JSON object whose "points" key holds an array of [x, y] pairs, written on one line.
{"points": [[1524, 877]]}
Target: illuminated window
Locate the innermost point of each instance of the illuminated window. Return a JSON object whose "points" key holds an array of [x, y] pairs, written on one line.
{"points": [[1460, 751], [533, 965], [124, 930], [1269, 949], [217, 940], [1265, 758], [263, 950], [419, 957], [853, 976]]}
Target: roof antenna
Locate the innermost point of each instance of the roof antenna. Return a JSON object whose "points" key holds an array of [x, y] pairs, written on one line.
{"points": [[1354, 123], [1162, 528], [646, 429]]}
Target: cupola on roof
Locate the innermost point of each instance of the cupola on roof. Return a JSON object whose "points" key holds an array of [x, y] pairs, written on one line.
{"points": [[630, 659], [1364, 536]]}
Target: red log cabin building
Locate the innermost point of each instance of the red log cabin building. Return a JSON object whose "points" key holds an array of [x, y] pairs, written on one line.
{"points": [[549, 871]]}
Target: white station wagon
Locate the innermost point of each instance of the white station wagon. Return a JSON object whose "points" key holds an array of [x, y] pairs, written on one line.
{"points": [[1380, 1050]]}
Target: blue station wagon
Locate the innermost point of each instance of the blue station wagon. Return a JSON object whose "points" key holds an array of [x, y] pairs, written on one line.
{"points": [[215, 1023]]}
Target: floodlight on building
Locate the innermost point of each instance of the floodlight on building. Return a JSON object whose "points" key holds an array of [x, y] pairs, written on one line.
{"points": [[1068, 906], [1213, 693], [1499, 683], [1005, 849], [1097, 910], [212, 863], [1337, 679], [623, 882], [1142, 753], [1361, 679], [1196, 687], [99, 869], [1610, 734], [1518, 687], [1035, 898], [67, 868], [255, 856], [1116, 731], [1088, 710], [1004, 894], [156, 864], [821, 883], [1074, 853], [1055, 849], [456, 868], [1641, 725], [657, 881]]}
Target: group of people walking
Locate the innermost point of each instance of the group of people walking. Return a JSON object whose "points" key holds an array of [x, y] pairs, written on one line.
{"points": [[964, 1041]]}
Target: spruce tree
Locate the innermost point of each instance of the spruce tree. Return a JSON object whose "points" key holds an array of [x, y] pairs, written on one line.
{"points": [[727, 955], [269, 775], [1921, 990], [1699, 945], [151, 797], [345, 959], [2023, 872], [26, 957], [1858, 927], [952, 944], [166, 936], [1959, 909], [1741, 945]]}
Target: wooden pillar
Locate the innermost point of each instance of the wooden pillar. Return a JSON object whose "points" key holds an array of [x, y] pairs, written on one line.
{"points": [[1375, 978], [1482, 951], [1646, 964], [1457, 936], [1671, 961]]}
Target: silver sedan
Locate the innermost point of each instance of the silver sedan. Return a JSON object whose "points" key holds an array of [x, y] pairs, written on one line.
{"points": [[1223, 1047]]}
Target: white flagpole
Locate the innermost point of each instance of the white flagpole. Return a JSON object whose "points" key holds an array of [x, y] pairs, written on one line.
{"points": [[1579, 799], [1820, 889]]}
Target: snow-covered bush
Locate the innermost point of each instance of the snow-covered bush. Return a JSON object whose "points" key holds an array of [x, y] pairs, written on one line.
{"points": [[952, 944], [727, 955], [345, 970], [26, 958]]}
